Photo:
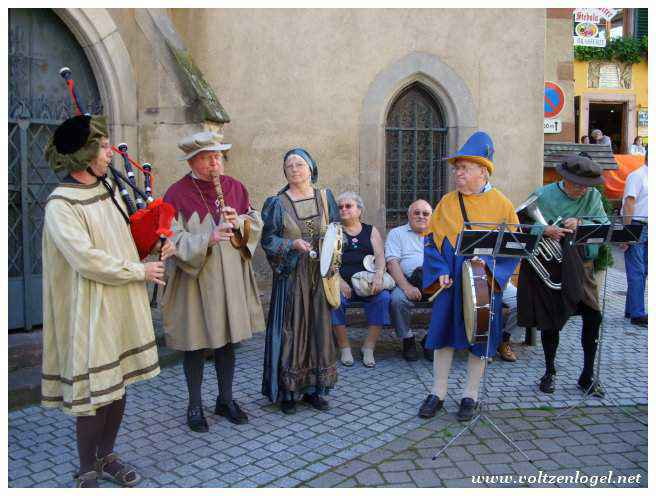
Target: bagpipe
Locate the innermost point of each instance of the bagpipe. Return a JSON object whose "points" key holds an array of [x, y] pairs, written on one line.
{"points": [[150, 219]]}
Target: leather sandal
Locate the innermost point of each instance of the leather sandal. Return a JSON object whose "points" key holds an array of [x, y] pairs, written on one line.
{"points": [[120, 477], [86, 480]]}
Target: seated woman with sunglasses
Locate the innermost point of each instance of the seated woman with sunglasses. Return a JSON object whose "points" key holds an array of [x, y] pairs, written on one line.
{"points": [[360, 240]]}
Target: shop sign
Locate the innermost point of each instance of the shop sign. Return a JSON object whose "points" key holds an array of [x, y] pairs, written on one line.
{"points": [[553, 126], [594, 15], [643, 118], [586, 29]]}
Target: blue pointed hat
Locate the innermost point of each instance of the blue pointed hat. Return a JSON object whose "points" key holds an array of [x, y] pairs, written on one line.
{"points": [[478, 148]]}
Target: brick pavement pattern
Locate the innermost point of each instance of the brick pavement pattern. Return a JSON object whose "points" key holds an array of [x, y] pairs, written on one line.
{"points": [[371, 436]]}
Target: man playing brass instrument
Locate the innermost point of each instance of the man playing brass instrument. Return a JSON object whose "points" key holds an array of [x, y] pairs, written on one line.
{"points": [[211, 299], [546, 308]]}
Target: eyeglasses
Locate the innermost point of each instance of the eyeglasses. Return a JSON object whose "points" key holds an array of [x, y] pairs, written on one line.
{"points": [[422, 213], [346, 206]]}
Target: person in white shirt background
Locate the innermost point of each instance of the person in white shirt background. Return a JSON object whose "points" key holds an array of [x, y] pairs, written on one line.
{"points": [[635, 210]]}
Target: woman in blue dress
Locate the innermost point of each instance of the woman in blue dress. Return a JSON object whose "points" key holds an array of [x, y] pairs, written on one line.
{"points": [[299, 355]]}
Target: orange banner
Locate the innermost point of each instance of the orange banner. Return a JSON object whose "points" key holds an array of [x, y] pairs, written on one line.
{"points": [[615, 179]]}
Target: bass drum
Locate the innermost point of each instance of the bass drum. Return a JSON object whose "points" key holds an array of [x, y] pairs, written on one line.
{"points": [[475, 301]]}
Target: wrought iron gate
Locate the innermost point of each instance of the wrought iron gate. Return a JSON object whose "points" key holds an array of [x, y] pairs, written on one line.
{"points": [[39, 44], [414, 151]]}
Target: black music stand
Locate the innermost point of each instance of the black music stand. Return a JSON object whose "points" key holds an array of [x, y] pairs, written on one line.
{"points": [[497, 242], [613, 232]]}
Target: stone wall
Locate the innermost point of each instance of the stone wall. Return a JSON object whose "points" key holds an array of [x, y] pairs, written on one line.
{"points": [[559, 67], [300, 78]]}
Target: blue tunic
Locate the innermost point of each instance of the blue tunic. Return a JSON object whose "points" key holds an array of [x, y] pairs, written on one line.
{"points": [[447, 325]]}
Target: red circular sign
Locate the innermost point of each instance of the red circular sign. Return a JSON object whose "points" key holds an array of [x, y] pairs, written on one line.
{"points": [[554, 100]]}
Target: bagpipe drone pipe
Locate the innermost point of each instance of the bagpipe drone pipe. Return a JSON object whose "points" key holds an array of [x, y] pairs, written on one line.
{"points": [[150, 219]]}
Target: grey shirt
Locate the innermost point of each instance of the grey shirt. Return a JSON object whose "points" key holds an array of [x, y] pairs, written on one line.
{"points": [[406, 246]]}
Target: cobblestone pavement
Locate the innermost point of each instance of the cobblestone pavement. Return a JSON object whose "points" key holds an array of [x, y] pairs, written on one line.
{"points": [[371, 436]]}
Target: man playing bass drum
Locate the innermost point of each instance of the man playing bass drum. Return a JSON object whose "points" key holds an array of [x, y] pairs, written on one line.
{"points": [[475, 200], [547, 309]]}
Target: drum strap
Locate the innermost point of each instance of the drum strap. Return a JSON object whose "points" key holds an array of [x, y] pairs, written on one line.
{"points": [[324, 204], [462, 209]]}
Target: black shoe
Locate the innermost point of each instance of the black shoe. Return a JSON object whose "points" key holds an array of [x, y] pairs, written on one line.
{"points": [[316, 401], [196, 420], [640, 321], [428, 354], [431, 405], [596, 390], [466, 410], [548, 383], [410, 350], [231, 411], [288, 407]]}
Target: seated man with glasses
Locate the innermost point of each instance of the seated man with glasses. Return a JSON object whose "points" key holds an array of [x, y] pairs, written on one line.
{"points": [[404, 254]]}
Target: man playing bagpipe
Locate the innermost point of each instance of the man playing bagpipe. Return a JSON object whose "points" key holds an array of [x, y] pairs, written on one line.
{"points": [[548, 309], [97, 326], [211, 299], [474, 200]]}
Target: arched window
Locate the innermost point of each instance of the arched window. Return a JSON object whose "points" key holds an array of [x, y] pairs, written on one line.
{"points": [[414, 152]]}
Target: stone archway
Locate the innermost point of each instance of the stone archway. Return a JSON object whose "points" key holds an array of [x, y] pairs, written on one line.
{"points": [[110, 61], [445, 84]]}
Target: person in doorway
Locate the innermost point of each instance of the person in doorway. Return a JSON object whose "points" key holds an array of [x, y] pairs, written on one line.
{"points": [[599, 138]]}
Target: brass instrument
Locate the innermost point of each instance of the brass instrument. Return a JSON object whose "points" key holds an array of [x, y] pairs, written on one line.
{"points": [[547, 257], [238, 241]]}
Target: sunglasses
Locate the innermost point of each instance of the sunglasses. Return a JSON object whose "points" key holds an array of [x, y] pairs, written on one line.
{"points": [[346, 206], [422, 213]]}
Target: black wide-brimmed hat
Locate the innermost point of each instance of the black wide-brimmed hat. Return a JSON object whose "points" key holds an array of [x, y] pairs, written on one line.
{"points": [[580, 170]]}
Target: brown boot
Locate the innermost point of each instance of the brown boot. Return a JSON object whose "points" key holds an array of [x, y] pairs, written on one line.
{"points": [[506, 353]]}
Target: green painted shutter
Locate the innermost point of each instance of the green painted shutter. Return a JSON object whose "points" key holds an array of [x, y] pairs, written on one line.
{"points": [[640, 23]]}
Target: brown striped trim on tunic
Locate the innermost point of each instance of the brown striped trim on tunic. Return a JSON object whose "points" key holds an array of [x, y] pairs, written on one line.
{"points": [[101, 368], [88, 201], [94, 394], [77, 185]]}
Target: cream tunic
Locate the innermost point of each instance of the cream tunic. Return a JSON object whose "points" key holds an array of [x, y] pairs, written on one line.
{"points": [[97, 327]]}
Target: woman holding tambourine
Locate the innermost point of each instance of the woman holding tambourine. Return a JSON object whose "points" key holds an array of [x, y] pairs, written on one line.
{"points": [[299, 357]]}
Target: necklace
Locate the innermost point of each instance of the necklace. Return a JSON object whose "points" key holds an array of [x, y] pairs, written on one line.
{"points": [[202, 197]]}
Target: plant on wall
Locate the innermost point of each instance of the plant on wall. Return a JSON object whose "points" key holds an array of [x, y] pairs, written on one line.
{"points": [[629, 50]]}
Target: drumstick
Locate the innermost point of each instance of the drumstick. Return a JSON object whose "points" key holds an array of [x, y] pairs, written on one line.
{"points": [[434, 295]]}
